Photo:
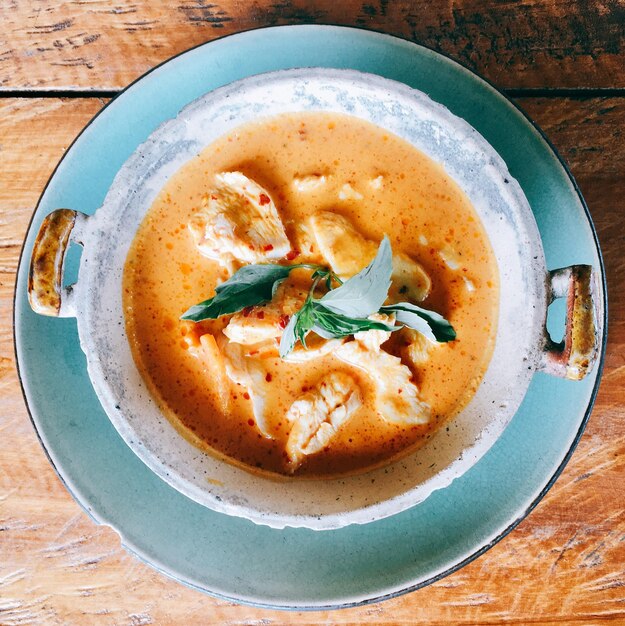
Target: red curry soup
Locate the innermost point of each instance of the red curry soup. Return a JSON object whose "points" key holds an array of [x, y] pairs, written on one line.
{"points": [[320, 192]]}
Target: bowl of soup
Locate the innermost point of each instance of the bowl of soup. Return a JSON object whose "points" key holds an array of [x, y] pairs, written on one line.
{"points": [[313, 298]]}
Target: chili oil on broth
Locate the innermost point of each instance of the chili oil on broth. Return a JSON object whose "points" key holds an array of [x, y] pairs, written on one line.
{"points": [[425, 215]]}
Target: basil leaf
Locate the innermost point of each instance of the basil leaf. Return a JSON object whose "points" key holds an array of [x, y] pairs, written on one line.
{"points": [[339, 325], [249, 286], [323, 333], [431, 324], [365, 292], [298, 327], [325, 323], [289, 337], [305, 321], [320, 272]]}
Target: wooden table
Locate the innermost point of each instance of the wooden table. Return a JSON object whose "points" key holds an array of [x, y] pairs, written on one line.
{"points": [[564, 63]]}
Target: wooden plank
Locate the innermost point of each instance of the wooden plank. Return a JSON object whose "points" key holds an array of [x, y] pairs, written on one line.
{"points": [[563, 564], [97, 44]]}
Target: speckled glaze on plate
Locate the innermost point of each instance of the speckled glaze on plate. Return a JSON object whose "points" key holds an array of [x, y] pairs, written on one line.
{"points": [[296, 567]]}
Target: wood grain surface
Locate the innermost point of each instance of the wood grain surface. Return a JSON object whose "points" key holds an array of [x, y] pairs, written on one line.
{"points": [[565, 563], [105, 44]]}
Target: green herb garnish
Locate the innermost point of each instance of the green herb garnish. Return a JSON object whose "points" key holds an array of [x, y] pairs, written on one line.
{"points": [[365, 292], [342, 311], [317, 317], [429, 323], [249, 286], [298, 327]]}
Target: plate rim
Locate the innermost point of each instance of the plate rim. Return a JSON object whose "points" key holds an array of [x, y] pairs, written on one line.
{"points": [[515, 522]]}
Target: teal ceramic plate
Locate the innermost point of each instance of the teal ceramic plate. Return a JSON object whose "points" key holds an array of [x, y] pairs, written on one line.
{"points": [[231, 557]]}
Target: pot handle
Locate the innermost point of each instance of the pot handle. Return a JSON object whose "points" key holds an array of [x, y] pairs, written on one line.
{"points": [[575, 355], [46, 293]]}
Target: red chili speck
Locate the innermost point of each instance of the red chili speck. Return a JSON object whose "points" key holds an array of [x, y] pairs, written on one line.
{"points": [[268, 247], [264, 199], [246, 395], [268, 377], [251, 422], [246, 311], [291, 255], [213, 197], [284, 320], [260, 315]]}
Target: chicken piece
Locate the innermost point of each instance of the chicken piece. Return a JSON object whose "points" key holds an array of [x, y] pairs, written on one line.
{"points": [[259, 328], [450, 258], [347, 252], [191, 333], [238, 222], [469, 284], [347, 192], [305, 244], [373, 339], [377, 183], [206, 350], [249, 372], [316, 347], [417, 346], [396, 398], [264, 322], [318, 414], [310, 183], [410, 282], [263, 350], [248, 329]]}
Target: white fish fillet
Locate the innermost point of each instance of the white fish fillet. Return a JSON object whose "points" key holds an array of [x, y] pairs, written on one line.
{"points": [[410, 281], [205, 348], [318, 414], [377, 183], [248, 371], [373, 339], [238, 222], [396, 398], [418, 347], [306, 184], [347, 192], [316, 348], [261, 323], [347, 252]]}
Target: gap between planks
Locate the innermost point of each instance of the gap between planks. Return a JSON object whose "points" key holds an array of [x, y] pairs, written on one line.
{"points": [[582, 93]]}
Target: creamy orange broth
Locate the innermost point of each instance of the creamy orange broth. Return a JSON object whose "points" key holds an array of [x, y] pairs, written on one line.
{"points": [[418, 207]]}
